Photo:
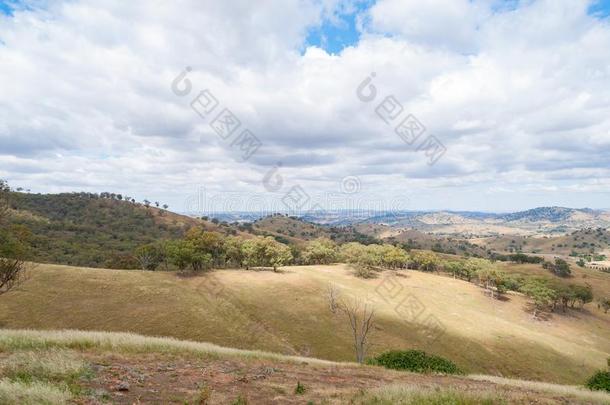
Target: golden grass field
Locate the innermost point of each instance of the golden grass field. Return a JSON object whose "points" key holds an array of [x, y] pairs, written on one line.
{"points": [[288, 313]]}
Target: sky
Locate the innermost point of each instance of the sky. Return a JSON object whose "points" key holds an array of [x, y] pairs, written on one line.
{"points": [[475, 105]]}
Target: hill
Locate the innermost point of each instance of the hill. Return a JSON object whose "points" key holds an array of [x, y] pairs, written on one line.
{"points": [[87, 230], [290, 229], [542, 220], [582, 242], [288, 313], [92, 367]]}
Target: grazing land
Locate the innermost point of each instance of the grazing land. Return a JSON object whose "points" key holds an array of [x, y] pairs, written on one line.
{"points": [[287, 312]]}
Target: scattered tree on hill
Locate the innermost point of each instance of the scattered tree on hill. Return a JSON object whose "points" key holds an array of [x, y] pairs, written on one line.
{"points": [[165, 206], [149, 256], [205, 242], [320, 251], [184, 254], [425, 261], [542, 296], [560, 268], [234, 251], [266, 252], [393, 257]]}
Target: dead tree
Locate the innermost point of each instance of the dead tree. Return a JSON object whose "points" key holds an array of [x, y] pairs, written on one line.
{"points": [[362, 321], [332, 295]]}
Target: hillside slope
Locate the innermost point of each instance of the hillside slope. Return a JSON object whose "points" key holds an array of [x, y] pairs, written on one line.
{"points": [[95, 367], [80, 229], [288, 313]]}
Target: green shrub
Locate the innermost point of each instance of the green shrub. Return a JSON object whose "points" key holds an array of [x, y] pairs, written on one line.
{"points": [[300, 389], [417, 361], [600, 381]]}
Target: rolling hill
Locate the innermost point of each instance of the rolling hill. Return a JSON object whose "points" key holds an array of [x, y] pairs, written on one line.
{"points": [[288, 313], [86, 230]]}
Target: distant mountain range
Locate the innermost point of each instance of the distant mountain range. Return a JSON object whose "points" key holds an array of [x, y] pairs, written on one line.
{"points": [[545, 220]]}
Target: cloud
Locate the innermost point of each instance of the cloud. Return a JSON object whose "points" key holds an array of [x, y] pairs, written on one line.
{"points": [[516, 94]]}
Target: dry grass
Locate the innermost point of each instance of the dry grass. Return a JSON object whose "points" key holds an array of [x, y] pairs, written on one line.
{"points": [[573, 391], [12, 340], [48, 365], [36, 393], [288, 313], [411, 395]]}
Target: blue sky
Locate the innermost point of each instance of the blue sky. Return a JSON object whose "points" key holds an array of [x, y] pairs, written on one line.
{"points": [[5, 8], [600, 8], [334, 36]]}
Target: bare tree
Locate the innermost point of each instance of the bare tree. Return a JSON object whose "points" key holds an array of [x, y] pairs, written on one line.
{"points": [[332, 295], [362, 321], [12, 273]]}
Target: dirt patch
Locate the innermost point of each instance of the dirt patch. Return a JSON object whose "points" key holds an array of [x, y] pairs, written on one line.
{"points": [[164, 379]]}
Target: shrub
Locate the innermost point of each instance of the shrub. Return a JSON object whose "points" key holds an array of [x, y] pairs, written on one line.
{"points": [[417, 361], [300, 389], [600, 381]]}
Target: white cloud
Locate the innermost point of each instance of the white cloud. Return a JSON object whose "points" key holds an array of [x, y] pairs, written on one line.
{"points": [[517, 96]]}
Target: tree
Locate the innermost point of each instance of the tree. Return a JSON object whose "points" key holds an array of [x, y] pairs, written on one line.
{"points": [[233, 249], [542, 296], [361, 319], [394, 257], [560, 268], [488, 276], [332, 295], [425, 261], [265, 252], [149, 256], [13, 247], [165, 206], [184, 254], [207, 243], [320, 251]]}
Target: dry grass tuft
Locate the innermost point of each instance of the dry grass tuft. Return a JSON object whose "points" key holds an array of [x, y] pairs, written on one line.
{"points": [[36, 393], [413, 395], [51, 365], [575, 391]]}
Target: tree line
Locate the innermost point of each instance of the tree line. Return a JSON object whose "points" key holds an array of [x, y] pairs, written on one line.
{"points": [[202, 250]]}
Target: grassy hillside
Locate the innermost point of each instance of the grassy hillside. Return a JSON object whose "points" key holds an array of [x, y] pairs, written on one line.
{"points": [[586, 241], [77, 229], [288, 313], [297, 231], [60, 367]]}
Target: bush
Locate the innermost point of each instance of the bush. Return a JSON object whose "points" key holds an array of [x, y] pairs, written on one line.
{"points": [[417, 361], [600, 381]]}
